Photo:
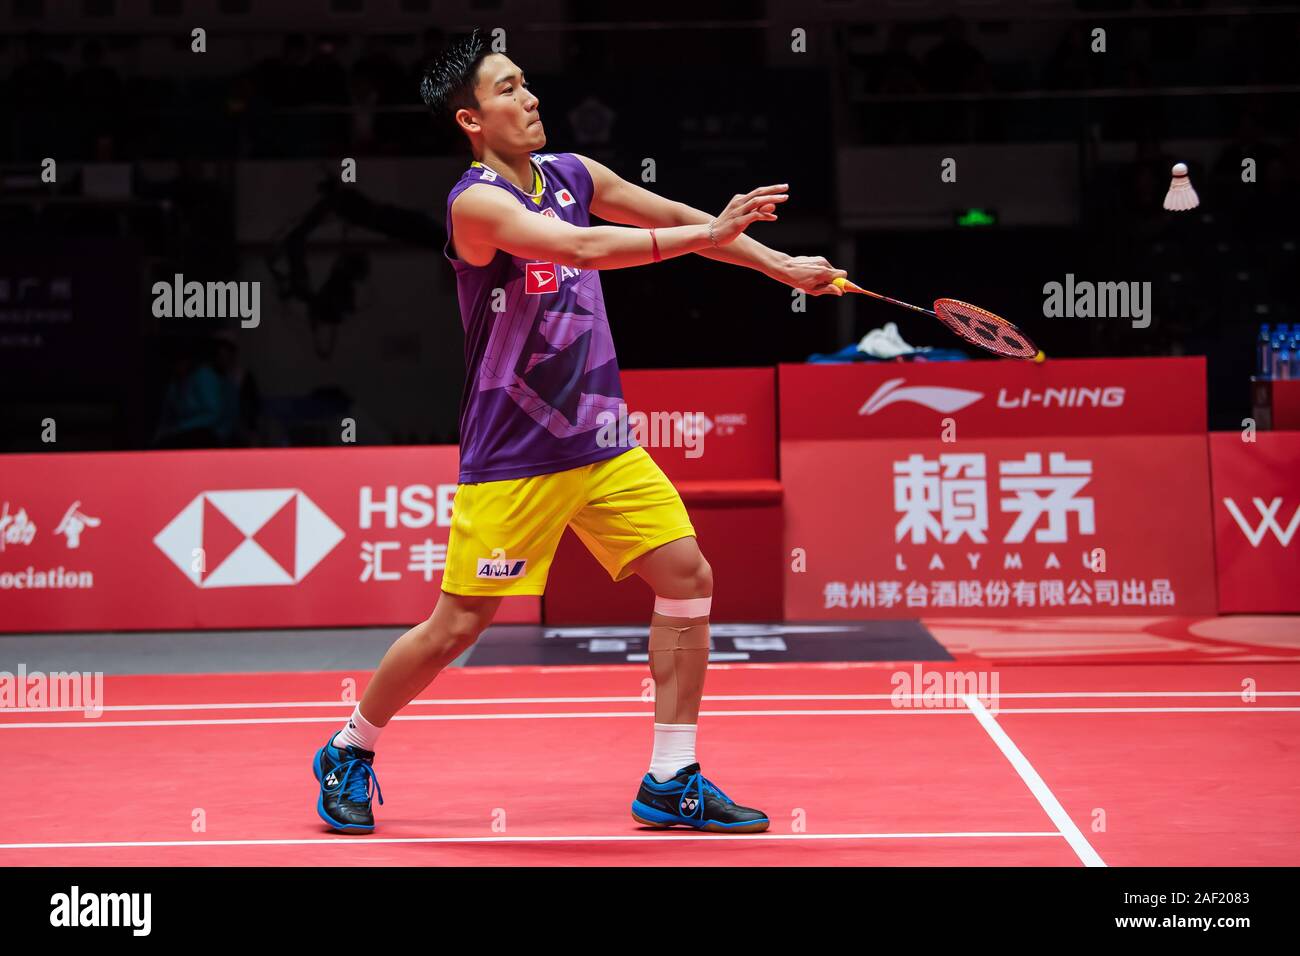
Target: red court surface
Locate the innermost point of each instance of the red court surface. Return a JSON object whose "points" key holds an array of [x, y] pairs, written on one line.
{"points": [[1059, 765]]}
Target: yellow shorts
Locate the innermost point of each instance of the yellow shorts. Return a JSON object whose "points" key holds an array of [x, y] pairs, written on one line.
{"points": [[504, 533]]}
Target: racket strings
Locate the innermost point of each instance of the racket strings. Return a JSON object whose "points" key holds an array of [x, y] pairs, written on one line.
{"points": [[983, 328]]}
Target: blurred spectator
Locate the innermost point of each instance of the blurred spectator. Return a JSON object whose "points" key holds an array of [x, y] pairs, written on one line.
{"points": [[326, 77], [96, 91], [1073, 65], [203, 241], [242, 397], [383, 72], [196, 411], [38, 80], [362, 119], [899, 71], [282, 80], [96, 86], [954, 65]]}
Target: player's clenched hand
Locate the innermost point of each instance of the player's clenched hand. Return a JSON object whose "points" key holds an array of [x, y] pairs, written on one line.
{"points": [[754, 205], [812, 274]]}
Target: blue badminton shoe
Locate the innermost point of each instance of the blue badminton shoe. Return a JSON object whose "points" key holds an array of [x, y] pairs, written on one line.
{"points": [[689, 799], [346, 778]]}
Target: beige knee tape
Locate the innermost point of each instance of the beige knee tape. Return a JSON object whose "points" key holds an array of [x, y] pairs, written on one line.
{"points": [[669, 637]]}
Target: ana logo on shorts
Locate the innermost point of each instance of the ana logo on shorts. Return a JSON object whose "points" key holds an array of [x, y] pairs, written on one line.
{"points": [[499, 566]]}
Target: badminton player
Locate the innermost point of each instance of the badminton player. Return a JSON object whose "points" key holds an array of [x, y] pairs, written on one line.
{"points": [[541, 381]]}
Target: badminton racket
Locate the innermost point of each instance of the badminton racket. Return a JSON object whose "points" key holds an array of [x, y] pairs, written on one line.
{"points": [[977, 326]]}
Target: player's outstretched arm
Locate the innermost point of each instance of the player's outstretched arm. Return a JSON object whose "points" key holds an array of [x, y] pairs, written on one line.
{"points": [[486, 219], [616, 200]]}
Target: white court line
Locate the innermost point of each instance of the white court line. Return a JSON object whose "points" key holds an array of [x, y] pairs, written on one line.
{"points": [[1046, 799], [481, 701], [748, 837], [91, 722]]}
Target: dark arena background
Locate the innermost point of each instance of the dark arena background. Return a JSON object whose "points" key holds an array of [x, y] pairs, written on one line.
{"points": [[969, 611]]}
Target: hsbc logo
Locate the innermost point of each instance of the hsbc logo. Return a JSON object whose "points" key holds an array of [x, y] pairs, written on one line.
{"points": [[1267, 521], [691, 428], [936, 397], [248, 538], [543, 278]]}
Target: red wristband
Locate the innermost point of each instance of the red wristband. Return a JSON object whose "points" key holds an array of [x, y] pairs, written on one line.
{"points": [[654, 244]]}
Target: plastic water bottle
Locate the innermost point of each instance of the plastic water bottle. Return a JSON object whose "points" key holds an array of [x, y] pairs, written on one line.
{"points": [[1284, 357], [1263, 353], [1277, 343]]}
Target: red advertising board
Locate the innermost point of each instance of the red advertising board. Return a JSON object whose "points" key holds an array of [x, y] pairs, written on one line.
{"points": [[959, 499], [321, 537], [709, 424], [1160, 396], [1257, 520]]}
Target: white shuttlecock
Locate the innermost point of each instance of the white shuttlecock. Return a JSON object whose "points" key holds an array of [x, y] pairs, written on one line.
{"points": [[1181, 195]]}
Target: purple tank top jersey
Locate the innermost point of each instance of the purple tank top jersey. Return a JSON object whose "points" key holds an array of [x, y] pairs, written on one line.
{"points": [[540, 373]]}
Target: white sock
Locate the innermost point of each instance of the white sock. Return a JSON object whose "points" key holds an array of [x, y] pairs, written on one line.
{"points": [[358, 732], [674, 749]]}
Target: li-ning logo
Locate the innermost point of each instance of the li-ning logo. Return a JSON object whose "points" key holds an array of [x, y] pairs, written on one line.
{"points": [[499, 566], [252, 537], [936, 397], [1268, 521], [1108, 396]]}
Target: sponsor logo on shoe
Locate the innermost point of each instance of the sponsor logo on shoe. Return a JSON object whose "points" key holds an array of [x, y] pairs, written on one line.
{"points": [[689, 803], [331, 780]]}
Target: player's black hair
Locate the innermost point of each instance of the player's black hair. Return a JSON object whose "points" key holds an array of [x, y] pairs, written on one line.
{"points": [[450, 78]]}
